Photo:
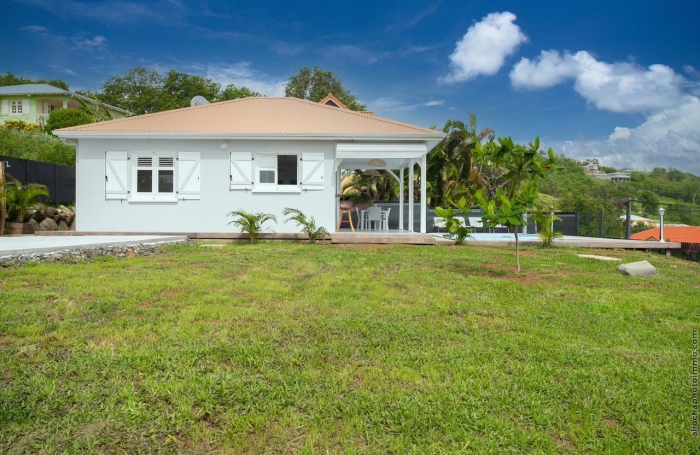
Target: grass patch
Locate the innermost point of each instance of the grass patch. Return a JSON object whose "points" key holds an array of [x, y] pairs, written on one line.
{"points": [[290, 348]]}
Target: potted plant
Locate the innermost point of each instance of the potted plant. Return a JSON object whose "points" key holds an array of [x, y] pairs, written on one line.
{"points": [[20, 200]]}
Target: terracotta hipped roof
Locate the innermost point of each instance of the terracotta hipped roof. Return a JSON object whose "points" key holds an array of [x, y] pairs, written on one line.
{"points": [[683, 234], [255, 115]]}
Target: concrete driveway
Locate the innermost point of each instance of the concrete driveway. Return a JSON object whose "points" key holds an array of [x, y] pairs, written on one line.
{"points": [[32, 244]]}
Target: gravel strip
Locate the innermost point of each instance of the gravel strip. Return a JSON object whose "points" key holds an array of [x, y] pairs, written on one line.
{"points": [[74, 256]]}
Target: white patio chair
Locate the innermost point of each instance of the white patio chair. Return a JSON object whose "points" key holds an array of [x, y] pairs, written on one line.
{"points": [[374, 216], [476, 222], [361, 222], [385, 219], [438, 223]]}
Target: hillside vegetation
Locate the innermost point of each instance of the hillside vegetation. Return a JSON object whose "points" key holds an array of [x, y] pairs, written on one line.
{"points": [[675, 190]]}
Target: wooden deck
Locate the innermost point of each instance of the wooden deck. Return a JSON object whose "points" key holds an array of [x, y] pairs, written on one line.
{"points": [[400, 237]]}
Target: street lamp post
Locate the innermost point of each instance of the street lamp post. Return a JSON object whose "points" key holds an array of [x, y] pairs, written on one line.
{"points": [[661, 224]]}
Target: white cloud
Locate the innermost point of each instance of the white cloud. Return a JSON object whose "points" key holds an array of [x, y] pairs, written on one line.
{"points": [[60, 69], [484, 48], [98, 42], [282, 48], [34, 29], [615, 87], [669, 138], [388, 104], [242, 75], [355, 53]]}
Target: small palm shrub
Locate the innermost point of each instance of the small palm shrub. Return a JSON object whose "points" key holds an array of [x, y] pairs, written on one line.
{"points": [[547, 233], [251, 223], [308, 225], [22, 198]]}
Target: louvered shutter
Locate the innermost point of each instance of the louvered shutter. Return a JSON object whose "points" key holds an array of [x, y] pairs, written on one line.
{"points": [[188, 170], [116, 173], [5, 107], [241, 171], [25, 107], [266, 164], [312, 170]]}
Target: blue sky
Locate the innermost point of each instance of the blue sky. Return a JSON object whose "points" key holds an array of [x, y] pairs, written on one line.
{"points": [[614, 80]]}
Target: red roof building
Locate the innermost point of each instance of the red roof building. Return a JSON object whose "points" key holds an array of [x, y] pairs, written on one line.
{"points": [[682, 234]]}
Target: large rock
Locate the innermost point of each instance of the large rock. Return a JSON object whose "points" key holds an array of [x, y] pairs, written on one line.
{"points": [[62, 226], [641, 268], [51, 211], [33, 223], [48, 225]]}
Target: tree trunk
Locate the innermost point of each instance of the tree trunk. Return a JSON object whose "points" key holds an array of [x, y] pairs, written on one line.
{"points": [[3, 213], [517, 249]]}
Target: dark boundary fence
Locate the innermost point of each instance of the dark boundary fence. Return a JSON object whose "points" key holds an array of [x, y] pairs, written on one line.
{"points": [[60, 180]]}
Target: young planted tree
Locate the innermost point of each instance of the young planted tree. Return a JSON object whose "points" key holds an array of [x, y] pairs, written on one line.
{"points": [[523, 167], [251, 223], [308, 225]]}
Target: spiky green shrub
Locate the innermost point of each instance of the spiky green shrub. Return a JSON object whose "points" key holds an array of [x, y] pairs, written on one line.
{"points": [[251, 223], [308, 225]]}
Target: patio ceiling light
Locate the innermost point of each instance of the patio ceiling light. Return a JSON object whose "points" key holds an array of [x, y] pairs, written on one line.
{"points": [[376, 163]]}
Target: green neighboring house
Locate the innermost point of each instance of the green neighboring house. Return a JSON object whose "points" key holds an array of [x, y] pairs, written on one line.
{"points": [[32, 103]]}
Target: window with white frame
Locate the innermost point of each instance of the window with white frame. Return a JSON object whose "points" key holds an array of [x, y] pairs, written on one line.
{"points": [[16, 107], [279, 172], [152, 176], [155, 174], [277, 169]]}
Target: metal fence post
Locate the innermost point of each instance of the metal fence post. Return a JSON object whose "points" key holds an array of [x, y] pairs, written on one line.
{"points": [[628, 233]]}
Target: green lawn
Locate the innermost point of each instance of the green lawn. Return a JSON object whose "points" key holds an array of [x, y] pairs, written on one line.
{"points": [[290, 348]]}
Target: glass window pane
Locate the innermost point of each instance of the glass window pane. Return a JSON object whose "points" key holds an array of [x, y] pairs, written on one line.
{"points": [[267, 176], [144, 181], [165, 181], [286, 169]]}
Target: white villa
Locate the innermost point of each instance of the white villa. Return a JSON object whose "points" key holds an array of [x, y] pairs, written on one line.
{"points": [[183, 171]]}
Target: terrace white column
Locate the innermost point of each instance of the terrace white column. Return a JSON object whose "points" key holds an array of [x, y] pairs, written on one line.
{"points": [[401, 200], [410, 196], [423, 196]]}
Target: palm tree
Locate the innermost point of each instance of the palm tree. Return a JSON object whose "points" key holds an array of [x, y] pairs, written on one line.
{"points": [[251, 223], [22, 198], [458, 176], [308, 225]]}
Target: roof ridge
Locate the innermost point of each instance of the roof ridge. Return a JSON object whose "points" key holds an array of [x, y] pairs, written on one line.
{"points": [[350, 111]]}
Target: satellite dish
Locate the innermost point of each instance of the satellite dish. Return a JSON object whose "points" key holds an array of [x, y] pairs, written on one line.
{"points": [[198, 101]]}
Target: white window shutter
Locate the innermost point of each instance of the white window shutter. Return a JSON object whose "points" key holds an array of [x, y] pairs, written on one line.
{"points": [[116, 172], [25, 107], [5, 107], [241, 171], [188, 173], [312, 170]]}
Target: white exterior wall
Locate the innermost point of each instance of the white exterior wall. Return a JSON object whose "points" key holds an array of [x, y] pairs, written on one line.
{"points": [[95, 213]]}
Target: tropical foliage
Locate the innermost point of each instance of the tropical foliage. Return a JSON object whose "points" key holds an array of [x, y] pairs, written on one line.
{"points": [[64, 118], [35, 145], [315, 84], [454, 221], [22, 198], [522, 167], [251, 223], [308, 225]]}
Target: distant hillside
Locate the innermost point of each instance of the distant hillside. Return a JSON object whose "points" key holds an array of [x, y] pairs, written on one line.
{"points": [[676, 190]]}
